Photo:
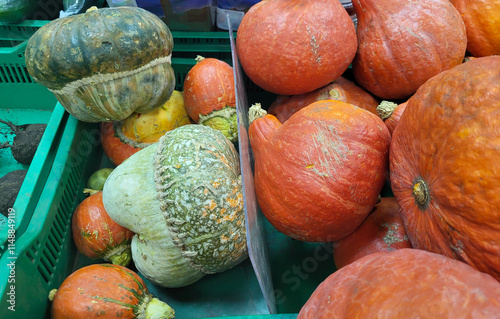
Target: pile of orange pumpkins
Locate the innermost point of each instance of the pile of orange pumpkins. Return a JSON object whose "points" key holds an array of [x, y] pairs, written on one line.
{"points": [[419, 114], [321, 162]]}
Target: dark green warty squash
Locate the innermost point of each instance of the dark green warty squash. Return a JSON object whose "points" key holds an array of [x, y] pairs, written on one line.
{"points": [[104, 64]]}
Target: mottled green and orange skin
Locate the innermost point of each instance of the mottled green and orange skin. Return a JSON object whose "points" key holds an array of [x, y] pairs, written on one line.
{"points": [[100, 291], [401, 44], [294, 47], [482, 22], [382, 231], [405, 283], [319, 174], [445, 165], [94, 232]]}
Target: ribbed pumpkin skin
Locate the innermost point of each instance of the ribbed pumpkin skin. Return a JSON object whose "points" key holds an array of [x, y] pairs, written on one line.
{"points": [[308, 180], [104, 64], [95, 234], [183, 198], [403, 43], [382, 231], [444, 164], [406, 283], [341, 90], [393, 120], [294, 47], [92, 292], [482, 22]]}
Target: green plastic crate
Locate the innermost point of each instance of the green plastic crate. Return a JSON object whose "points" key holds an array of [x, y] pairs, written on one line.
{"points": [[46, 254], [20, 89]]}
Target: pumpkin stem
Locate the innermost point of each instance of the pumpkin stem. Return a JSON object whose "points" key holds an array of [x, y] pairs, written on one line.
{"points": [[52, 294], [154, 308], [199, 58], [334, 94], [120, 255], [385, 109], [421, 194], [256, 111], [224, 120], [91, 9], [89, 191]]}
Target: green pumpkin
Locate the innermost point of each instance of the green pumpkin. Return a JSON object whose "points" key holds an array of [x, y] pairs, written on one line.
{"points": [[104, 64], [183, 198], [12, 11]]}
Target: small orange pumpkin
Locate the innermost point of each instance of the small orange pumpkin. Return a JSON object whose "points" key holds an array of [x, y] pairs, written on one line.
{"points": [[210, 97], [341, 90], [106, 291], [96, 235], [382, 231]]}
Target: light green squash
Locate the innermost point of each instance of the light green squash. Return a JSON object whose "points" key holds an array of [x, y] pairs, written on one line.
{"points": [[183, 198]]}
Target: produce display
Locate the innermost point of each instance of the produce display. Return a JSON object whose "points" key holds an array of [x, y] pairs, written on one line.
{"points": [[378, 146]]}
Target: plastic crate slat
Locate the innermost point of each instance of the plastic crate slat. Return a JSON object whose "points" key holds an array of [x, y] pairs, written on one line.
{"points": [[51, 251]]}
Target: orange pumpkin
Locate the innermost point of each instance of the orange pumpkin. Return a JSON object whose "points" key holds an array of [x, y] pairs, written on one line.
{"points": [[405, 283], [391, 112], [96, 235], [318, 175], [403, 43], [482, 22], [444, 164], [341, 89], [106, 291], [382, 231], [210, 96], [292, 47]]}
